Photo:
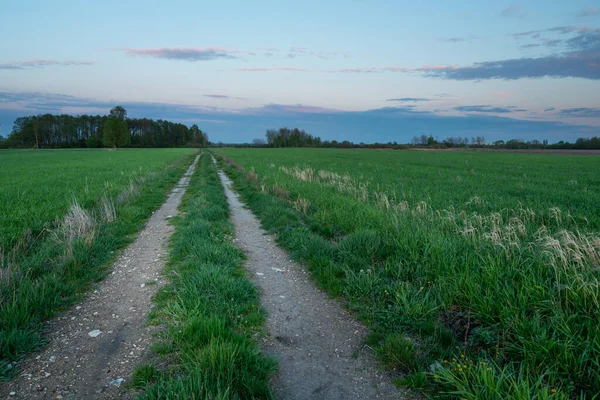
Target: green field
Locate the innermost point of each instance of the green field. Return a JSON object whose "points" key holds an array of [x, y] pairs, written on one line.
{"points": [[64, 214], [37, 187], [478, 273]]}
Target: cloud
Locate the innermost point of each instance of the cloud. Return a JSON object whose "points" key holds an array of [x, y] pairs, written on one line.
{"points": [[458, 39], [262, 69], [297, 51], [19, 65], [222, 97], [191, 54], [561, 30], [486, 109], [394, 69], [590, 11], [549, 109], [580, 112], [513, 11], [356, 70], [453, 39], [530, 45], [409, 99], [280, 109], [367, 70], [581, 59]]}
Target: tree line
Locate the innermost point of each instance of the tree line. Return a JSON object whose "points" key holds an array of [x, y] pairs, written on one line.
{"points": [[113, 130], [285, 137], [592, 143]]}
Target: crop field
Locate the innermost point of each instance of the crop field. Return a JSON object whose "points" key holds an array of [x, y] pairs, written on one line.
{"points": [[478, 274], [63, 216], [39, 186]]}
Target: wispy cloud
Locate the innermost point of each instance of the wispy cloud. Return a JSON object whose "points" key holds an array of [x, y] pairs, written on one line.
{"points": [[513, 11], [369, 70], [549, 109], [562, 30], [458, 39], [590, 11], [222, 96], [580, 112], [41, 64], [217, 96], [289, 109], [530, 45], [188, 53], [263, 69], [298, 51], [409, 99], [486, 109]]}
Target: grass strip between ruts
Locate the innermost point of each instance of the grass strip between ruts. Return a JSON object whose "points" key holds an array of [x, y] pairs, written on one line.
{"points": [[210, 312]]}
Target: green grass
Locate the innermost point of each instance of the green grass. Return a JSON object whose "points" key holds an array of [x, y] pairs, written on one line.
{"points": [[210, 312], [490, 257], [38, 186], [42, 276]]}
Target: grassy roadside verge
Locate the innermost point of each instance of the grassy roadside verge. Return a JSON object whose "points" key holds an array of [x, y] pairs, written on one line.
{"points": [[210, 312], [57, 270]]}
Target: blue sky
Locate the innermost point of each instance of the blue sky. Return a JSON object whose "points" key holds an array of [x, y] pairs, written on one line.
{"points": [[358, 70]]}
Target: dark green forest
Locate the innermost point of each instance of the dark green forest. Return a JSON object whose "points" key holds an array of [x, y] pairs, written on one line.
{"points": [[113, 130]]}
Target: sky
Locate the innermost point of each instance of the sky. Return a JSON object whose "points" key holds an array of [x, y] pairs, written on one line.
{"points": [[364, 71]]}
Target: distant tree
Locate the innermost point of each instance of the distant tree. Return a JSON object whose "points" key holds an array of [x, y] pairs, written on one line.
{"points": [[116, 133], [118, 112], [93, 142], [259, 143], [285, 137], [36, 130], [198, 137]]}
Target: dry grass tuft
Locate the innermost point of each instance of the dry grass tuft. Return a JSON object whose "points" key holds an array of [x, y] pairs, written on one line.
{"points": [[252, 176], [280, 192], [107, 209], [77, 224], [128, 193], [301, 205]]}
